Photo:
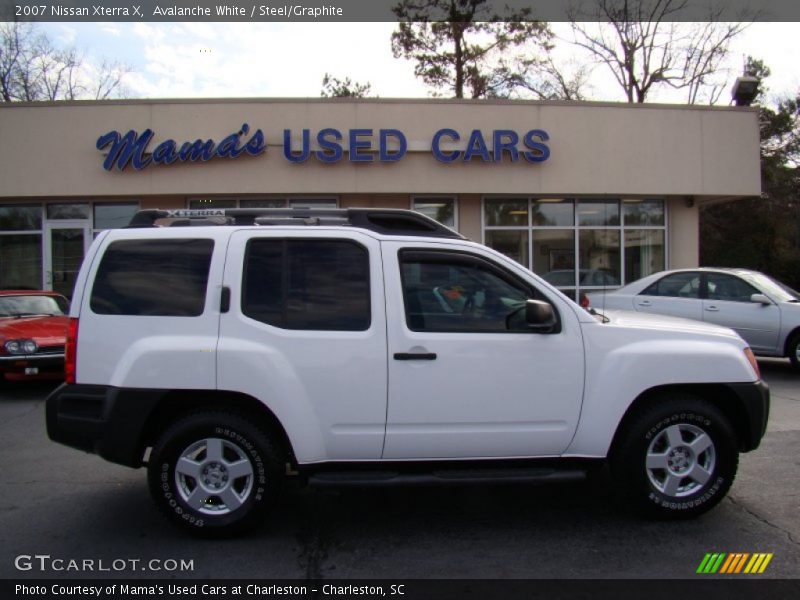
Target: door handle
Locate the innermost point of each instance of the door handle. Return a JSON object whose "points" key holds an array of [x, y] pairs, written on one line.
{"points": [[645, 303], [225, 299], [712, 309], [415, 356]]}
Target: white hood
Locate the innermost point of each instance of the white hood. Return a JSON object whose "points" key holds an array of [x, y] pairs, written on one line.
{"points": [[656, 322]]}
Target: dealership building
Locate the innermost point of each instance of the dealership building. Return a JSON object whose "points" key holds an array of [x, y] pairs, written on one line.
{"points": [[588, 195]]}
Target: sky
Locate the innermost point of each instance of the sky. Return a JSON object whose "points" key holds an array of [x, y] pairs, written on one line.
{"points": [[182, 60]]}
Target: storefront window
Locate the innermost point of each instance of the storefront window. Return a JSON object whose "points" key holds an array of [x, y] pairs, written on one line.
{"points": [[507, 212], [20, 218], [647, 213], [68, 211], [644, 253], [312, 202], [580, 244], [262, 203], [514, 244], [439, 209], [114, 215], [21, 261], [598, 213], [553, 213], [599, 253], [554, 256]]}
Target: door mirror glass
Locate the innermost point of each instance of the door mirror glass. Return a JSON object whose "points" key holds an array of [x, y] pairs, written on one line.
{"points": [[760, 299], [539, 315]]}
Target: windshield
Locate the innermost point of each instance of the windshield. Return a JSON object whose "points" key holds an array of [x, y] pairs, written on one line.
{"points": [[772, 288], [27, 306]]}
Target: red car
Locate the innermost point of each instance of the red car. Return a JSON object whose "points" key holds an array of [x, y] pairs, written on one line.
{"points": [[33, 331]]}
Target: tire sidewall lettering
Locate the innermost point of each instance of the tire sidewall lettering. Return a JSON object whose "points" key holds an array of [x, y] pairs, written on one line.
{"points": [[167, 478]]}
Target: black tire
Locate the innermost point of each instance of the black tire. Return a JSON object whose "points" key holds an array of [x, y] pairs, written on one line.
{"points": [[792, 350], [673, 492], [214, 445]]}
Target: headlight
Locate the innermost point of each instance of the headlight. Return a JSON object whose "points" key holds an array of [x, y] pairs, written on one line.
{"points": [[21, 347]]}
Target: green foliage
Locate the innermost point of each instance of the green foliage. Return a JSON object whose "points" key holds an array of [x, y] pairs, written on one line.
{"points": [[763, 233], [333, 87], [460, 47]]}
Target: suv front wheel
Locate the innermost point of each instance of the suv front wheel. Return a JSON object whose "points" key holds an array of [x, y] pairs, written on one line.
{"points": [[214, 473], [677, 458]]}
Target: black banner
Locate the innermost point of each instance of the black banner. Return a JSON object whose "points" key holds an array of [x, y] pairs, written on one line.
{"points": [[428, 589], [343, 11]]}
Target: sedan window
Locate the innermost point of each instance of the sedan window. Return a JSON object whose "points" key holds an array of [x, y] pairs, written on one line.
{"points": [[676, 285], [729, 288]]}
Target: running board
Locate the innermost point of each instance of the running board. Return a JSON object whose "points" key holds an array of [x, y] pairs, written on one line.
{"points": [[445, 477]]}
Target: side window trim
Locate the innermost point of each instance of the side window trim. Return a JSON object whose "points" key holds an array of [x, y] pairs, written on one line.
{"points": [[655, 287], [468, 259], [738, 280], [285, 245]]}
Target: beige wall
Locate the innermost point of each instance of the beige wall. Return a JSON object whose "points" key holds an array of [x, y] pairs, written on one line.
{"points": [[683, 233], [49, 149], [469, 216]]}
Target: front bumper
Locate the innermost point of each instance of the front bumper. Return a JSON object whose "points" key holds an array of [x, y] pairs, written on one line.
{"points": [[16, 366], [753, 399], [105, 420]]}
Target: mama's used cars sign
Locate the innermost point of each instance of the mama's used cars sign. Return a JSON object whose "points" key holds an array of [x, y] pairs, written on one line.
{"points": [[330, 145]]}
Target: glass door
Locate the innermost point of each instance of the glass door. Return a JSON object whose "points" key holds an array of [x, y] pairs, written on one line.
{"points": [[65, 245]]}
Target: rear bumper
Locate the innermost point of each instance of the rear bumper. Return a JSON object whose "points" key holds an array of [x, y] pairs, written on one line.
{"points": [[754, 400], [105, 420]]}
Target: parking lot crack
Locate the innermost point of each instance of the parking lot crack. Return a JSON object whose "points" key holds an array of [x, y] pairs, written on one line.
{"points": [[313, 553], [763, 520]]}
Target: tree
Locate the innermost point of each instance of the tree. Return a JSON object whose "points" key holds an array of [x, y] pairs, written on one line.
{"points": [[763, 233], [33, 68], [333, 87], [645, 47], [459, 47]]}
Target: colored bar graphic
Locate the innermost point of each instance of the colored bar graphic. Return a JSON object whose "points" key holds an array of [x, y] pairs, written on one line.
{"points": [[741, 562], [729, 563], [734, 563]]}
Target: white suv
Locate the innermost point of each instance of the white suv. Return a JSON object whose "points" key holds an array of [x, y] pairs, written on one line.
{"points": [[361, 347]]}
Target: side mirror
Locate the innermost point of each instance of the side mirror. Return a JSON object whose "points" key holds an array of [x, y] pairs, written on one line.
{"points": [[760, 299], [539, 315]]}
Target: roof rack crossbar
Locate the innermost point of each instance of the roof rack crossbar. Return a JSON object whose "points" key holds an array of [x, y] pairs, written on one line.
{"points": [[388, 221]]}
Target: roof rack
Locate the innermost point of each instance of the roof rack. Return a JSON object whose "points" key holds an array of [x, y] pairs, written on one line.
{"points": [[387, 221]]}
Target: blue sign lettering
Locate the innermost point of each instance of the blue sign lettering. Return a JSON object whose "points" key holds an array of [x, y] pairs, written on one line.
{"points": [[437, 139], [331, 150], [287, 147], [357, 144], [391, 145], [387, 156], [476, 146], [540, 151], [131, 148]]}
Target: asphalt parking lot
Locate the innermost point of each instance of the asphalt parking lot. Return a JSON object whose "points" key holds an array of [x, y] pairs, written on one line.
{"points": [[70, 505]]}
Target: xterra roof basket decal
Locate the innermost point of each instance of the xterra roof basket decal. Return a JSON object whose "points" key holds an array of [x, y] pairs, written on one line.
{"points": [[385, 221]]}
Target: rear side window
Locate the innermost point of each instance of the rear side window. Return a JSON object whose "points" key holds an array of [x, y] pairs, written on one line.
{"points": [[677, 285], [161, 278], [307, 284]]}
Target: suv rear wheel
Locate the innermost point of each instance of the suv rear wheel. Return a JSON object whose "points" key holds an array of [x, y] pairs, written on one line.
{"points": [[677, 458], [214, 473]]}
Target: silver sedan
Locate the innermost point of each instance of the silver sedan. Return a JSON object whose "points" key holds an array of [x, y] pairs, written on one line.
{"points": [[763, 311]]}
